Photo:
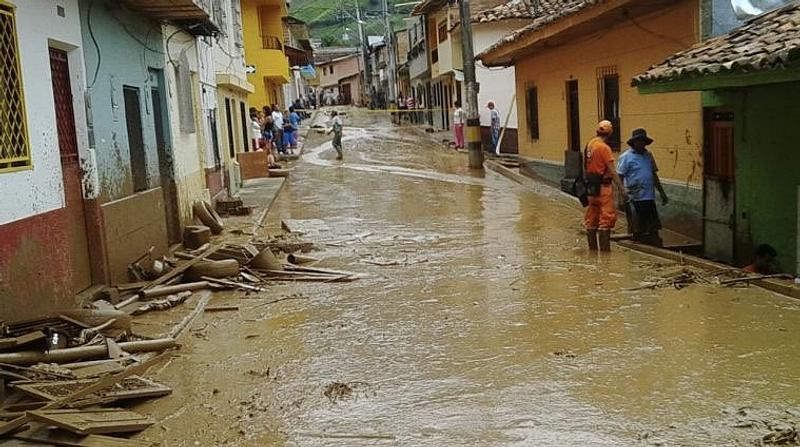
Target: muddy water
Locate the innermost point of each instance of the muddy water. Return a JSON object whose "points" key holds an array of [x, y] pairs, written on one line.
{"points": [[495, 328]]}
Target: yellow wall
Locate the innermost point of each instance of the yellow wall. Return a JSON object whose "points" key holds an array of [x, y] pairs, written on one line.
{"points": [[673, 120], [263, 17]]}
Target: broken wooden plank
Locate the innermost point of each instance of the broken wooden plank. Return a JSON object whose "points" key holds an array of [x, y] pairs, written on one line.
{"points": [[14, 425], [160, 291], [236, 284], [22, 340], [93, 422], [177, 330], [43, 435]]}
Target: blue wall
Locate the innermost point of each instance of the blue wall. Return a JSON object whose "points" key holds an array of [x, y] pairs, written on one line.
{"points": [[128, 44]]}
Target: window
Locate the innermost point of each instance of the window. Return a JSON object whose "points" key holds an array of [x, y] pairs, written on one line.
{"points": [[608, 101], [434, 55], [443, 31], [14, 145], [532, 102], [331, 69]]}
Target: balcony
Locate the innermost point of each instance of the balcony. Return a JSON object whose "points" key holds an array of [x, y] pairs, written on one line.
{"points": [[271, 43], [192, 15]]}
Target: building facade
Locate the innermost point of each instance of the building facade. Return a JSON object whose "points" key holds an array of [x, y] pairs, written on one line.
{"points": [[264, 40], [47, 173], [751, 193], [573, 68]]}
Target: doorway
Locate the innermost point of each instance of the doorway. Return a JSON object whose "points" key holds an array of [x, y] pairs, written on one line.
{"points": [[75, 220], [166, 165], [719, 210], [573, 116], [244, 122], [229, 120], [133, 122], [347, 94]]}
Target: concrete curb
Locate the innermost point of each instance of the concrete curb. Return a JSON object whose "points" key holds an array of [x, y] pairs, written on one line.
{"points": [[522, 179]]}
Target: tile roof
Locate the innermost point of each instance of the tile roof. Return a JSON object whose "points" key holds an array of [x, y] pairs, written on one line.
{"points": [[543, 13], [766, 42], [520, 9]]}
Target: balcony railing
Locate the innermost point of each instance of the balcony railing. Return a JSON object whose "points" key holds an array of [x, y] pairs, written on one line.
{"points": [[271, 43]]}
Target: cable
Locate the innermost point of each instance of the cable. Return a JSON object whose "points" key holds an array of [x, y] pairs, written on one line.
{"points": [[133, 36], [94, 40]]}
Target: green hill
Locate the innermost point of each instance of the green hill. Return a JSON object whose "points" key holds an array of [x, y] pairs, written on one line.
{"points": [[333, 20]]}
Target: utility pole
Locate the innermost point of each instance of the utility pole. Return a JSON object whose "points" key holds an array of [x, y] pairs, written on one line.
{"points": [[473, 130], [389, 41], [362, 39]]}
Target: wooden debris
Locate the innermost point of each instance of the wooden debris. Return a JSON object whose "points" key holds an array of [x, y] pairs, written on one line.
{"points": [[156, 292], [202, 302], [301, 259], [82, 352], [162, 304], [14, 425], [222, 308], [214, 269], [266, 260], [234, 284], [728, 282], [22, 340], [92, 422], [195, 236], [133, 387], [242, 253], [43, 435]]}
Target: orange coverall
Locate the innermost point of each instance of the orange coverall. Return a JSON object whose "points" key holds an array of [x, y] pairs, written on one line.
{"points": [[601, 214]]}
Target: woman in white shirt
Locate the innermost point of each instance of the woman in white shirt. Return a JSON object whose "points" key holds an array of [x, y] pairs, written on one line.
{"points": [[458, 125]]}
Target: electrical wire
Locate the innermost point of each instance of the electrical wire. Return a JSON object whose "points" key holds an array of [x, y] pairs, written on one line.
{"points": [[94, 41]]}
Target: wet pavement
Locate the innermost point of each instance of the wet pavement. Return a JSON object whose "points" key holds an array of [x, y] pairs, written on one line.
{"points": [[483, 322]]}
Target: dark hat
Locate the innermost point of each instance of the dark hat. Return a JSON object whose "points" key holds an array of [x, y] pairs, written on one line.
{"points": [[640, 134]]}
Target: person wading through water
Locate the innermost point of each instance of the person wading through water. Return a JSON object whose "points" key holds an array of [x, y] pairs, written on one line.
{"points": [[601, 214], [336, 128], [639, 173]]}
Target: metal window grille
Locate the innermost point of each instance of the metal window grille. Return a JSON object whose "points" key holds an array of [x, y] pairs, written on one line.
{"points": [[608, 101], [14, 145], [271, 43]]}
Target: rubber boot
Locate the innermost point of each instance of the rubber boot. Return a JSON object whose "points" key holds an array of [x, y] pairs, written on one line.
{"points": [[591, 236], [605, 240]]}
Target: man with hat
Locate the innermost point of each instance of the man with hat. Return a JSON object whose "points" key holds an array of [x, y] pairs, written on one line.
{"points": [[599, 174], [639, 172]]}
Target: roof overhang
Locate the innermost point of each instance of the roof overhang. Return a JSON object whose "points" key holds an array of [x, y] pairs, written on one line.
{"points": [[427, 6], [525, 43], [722, 81]]}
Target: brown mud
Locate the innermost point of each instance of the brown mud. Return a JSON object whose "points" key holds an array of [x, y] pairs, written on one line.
{"points": [[494, 327]]}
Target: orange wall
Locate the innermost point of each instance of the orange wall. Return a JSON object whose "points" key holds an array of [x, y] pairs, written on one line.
{"points": [[673, 120]]}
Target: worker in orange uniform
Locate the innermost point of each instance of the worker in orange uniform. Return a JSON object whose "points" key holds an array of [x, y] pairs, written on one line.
{"points": [[601, 214]]}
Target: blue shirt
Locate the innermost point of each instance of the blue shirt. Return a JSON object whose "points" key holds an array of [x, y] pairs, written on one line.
{"points": [[294, 120], [638, 174]]}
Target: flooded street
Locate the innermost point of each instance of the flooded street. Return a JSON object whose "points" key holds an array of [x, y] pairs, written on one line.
{"points": [[483, 322]]}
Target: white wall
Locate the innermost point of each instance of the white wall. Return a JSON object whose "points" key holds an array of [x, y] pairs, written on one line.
{"points": [[40, 189], [496, 84]]}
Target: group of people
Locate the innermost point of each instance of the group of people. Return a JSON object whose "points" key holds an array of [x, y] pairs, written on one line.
{"points": [[635, 176], [459, 120], [273, 131]]}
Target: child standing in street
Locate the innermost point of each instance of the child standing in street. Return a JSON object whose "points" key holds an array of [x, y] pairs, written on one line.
{"points": [[336, 128]]}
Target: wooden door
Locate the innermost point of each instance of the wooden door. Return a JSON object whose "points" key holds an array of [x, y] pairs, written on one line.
{"points": [[75, 220], [719, 209]]}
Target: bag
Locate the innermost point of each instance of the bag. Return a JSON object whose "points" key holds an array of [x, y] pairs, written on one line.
{"points": [[579, 191], [594, 183]]}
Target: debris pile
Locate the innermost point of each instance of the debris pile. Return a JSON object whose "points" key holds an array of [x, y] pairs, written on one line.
{"points": [[679, 276], [66, 376]]}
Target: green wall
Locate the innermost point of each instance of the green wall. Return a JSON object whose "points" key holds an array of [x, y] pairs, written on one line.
{"points": [[767, 155]]}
